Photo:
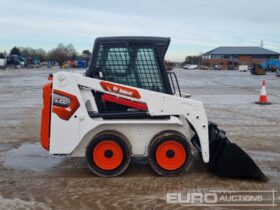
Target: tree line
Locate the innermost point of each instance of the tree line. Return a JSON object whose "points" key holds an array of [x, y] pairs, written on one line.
{"points": [[193, 59], [64, 53], [59, 54]]}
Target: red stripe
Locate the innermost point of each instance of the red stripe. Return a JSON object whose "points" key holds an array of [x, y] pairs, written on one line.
{"points": [[63, 112], [46, 116], [125, 102]]}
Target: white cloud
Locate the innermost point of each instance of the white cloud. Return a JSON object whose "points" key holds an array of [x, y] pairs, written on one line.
{"points": [[194, 26]]}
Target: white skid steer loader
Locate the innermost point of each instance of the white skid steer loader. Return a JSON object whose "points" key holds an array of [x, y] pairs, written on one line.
{"points": [[127, 105]]}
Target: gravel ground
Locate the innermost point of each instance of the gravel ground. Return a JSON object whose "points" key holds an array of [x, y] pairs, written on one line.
{"points": [[31, 178]]}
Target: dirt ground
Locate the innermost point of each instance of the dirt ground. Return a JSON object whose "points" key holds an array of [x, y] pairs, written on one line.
{"points": [[31, 178]]}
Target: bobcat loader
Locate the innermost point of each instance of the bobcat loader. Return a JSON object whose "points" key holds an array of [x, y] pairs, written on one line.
{"points": [[128, 105]]}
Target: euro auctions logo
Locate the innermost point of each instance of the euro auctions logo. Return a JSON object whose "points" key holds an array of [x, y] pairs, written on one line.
{"points": [[192, 198], [236, 198]]}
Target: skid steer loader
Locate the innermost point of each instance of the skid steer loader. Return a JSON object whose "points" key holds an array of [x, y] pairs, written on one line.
{"points": [[127, 105]]}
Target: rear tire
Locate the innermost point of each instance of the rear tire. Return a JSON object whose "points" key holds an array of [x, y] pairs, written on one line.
{"points": [[170, 154], [108, 155]]}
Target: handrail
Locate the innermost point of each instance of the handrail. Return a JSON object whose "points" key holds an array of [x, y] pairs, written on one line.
{"points": [[171, 75]]}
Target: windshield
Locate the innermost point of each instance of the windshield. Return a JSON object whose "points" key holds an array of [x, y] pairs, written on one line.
{"points": [[134, 65]]}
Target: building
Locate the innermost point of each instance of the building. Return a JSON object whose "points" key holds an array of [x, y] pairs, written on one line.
{"points": [[231, 57]]}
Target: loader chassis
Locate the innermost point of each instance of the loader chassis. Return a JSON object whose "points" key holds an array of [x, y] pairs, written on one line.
{"points": [[72, 129], [125, 107]]}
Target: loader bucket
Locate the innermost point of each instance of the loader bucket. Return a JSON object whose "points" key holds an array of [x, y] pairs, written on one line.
{"points": [[228, 159]]}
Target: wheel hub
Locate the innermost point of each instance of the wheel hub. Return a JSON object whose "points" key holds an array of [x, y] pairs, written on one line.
{"points": [[108, 153], [170, 153]]}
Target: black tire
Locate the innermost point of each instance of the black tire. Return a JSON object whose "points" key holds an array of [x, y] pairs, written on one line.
{"points": [[121, 142], [169, 136]]}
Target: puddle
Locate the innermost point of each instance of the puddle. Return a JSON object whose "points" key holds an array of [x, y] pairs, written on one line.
{"points": [[31, 157]]}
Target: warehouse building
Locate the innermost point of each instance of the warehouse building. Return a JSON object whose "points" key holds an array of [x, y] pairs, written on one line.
{"points": [[232, 57]]}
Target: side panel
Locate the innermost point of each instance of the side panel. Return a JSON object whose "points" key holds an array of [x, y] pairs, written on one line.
{"points": [[65, 127]]}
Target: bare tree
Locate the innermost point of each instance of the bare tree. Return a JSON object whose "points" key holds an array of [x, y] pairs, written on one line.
{"points": [[31, 53], [195, 59], [62, 53], [71, 52]]}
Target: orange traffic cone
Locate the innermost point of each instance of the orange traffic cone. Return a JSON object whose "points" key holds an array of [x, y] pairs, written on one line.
{"points": [[263, 100]]}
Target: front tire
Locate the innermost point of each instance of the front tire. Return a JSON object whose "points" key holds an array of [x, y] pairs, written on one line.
{"points": [[169, 154], [108, 155]]}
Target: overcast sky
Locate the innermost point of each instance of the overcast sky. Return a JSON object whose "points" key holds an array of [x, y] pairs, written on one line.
{"points": [[194, 26]]}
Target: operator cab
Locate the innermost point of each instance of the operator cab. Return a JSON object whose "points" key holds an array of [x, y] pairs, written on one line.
{"points": [[133, 61]]}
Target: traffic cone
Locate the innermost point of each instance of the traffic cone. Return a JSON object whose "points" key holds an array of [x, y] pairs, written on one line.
{"points": [[263, 100]]}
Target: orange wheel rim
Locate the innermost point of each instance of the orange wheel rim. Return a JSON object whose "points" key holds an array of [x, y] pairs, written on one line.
{"points": [[107, 155], [170, 155]]}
